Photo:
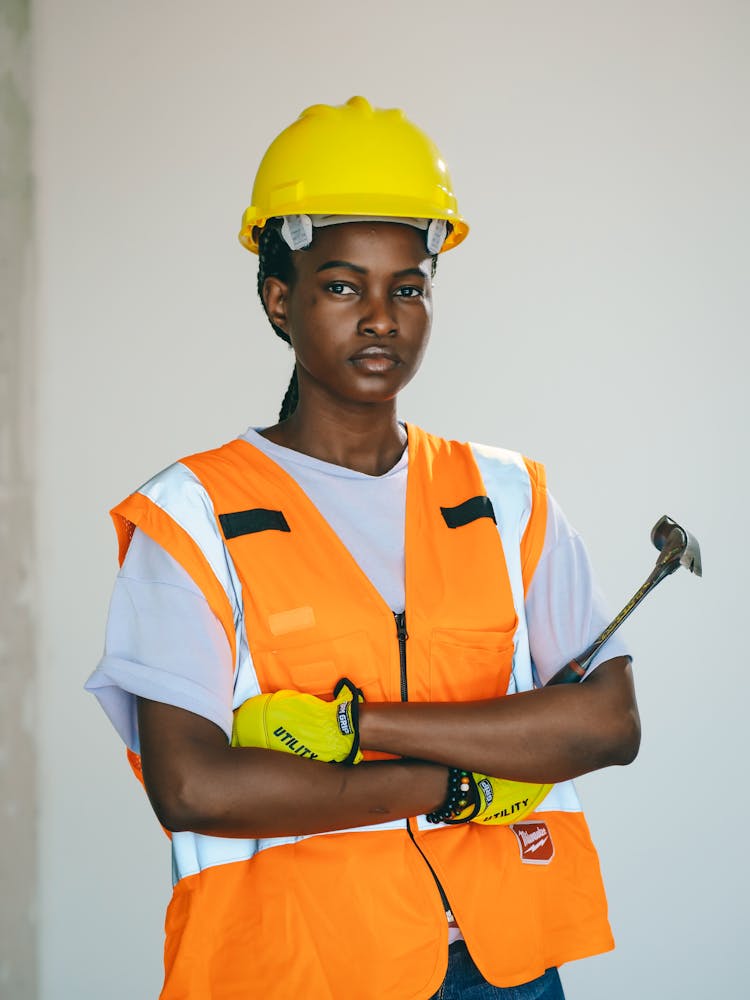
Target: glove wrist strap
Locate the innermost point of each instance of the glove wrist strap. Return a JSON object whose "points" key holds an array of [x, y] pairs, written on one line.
{"points": [[461, 795], [348, 715]]}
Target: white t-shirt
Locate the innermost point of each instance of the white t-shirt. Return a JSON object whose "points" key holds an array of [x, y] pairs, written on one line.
{"points": [[164, 643]]}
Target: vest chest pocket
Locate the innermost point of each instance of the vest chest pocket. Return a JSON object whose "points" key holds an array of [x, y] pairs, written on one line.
{"points": [[469, 665], [316, 667]]}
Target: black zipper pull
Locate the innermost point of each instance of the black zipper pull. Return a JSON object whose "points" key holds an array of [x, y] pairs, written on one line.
{"points": [[403, 635]]}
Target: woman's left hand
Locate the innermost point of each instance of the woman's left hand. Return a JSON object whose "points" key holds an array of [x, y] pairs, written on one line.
{"points": [[302, 724]]}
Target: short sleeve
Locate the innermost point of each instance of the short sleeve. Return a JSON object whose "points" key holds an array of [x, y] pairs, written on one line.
{"points": [[565, 610], [162, 642]]}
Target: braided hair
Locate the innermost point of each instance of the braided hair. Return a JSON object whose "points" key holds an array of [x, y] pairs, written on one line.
{"points": [[275, 261]]}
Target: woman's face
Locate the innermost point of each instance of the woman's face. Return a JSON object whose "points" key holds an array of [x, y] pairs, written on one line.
{"points": [[358, 310]]}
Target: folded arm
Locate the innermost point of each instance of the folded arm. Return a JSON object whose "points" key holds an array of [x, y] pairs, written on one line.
{"points": [[197, 782], [546, 735]]}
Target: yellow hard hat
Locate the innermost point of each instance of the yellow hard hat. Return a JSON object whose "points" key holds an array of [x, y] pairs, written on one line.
{"points": [[353, 160]]}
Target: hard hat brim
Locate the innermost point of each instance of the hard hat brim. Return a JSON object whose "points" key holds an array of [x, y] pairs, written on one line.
{"points": [[377, 205]]}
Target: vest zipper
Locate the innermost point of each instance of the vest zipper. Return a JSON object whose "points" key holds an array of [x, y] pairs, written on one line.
{"points": [[403, 635]]}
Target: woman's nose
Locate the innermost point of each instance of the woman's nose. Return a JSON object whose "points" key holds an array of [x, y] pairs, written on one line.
{"points": [[378, 319]]}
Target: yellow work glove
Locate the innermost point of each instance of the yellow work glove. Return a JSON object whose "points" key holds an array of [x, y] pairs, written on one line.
{"points": [[502, 801], [496, 801], [303, 724]]}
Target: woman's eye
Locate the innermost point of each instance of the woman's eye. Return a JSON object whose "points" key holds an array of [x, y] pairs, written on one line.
{"points": [[409, 292], [340, 288]]}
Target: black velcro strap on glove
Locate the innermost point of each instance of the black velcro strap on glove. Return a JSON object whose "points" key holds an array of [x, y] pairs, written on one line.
{"points": [[347, 714]]}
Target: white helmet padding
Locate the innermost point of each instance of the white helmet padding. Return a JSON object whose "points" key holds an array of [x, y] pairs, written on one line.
{"points": [[297, 230]]}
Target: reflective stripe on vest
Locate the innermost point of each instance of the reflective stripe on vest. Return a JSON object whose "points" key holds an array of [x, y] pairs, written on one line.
{"points": [[313, 616], [175, 499], [506, 478]]}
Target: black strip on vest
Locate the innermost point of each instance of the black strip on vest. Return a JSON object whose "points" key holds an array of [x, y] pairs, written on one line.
{"points": [[468, 511], [247, 522]]}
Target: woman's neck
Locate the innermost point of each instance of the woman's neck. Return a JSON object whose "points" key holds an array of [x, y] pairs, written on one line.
{"points": [[366, 439]]}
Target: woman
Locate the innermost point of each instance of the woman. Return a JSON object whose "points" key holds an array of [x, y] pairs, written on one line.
{"points": [[395, 618]]}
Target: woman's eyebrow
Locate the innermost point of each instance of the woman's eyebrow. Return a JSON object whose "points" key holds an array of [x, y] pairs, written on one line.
{"points": [[341, 263], [415, 271]]}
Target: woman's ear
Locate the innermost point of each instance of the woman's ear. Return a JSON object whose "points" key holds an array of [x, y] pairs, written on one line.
{"points": [[275, 293]]}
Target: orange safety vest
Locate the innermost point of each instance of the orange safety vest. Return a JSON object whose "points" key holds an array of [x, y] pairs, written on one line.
{"points": [[359, 912]]}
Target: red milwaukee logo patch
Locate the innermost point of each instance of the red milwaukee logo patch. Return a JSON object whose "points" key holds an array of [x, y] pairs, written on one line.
{"points": [[534, 842]]}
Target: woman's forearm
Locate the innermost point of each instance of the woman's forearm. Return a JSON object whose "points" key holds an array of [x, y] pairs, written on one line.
{"points": [[546, 735], [196, 782]]}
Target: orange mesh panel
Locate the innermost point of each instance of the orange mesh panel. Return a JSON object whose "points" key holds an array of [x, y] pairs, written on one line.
{"points": [[134, 760], [532, 542]]}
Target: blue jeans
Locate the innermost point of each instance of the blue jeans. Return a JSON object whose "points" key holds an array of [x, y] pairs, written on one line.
{"points": [[464, 981]]}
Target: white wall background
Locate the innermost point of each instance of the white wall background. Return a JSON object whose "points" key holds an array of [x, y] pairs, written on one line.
{"points": [[596, 318]]}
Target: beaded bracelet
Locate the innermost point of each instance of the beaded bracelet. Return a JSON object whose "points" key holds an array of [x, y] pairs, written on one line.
{"points": [[459, 796]]}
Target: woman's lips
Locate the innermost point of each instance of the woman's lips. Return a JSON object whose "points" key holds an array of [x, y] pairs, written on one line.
{"points": [[375, 359]]}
